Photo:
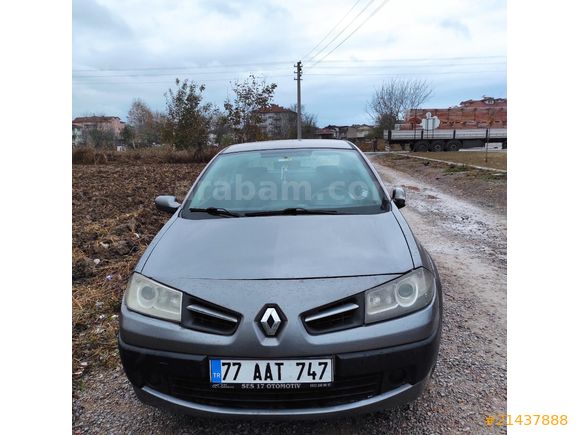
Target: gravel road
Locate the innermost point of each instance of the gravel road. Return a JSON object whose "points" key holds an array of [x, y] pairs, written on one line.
{"points": [[468, 243]]}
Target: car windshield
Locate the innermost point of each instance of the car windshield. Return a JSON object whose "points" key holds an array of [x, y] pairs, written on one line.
{"points": [[286, 181]]}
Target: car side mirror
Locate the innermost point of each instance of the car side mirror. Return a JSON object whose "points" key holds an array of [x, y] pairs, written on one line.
{"points": [[167, 203], [399, 197]]}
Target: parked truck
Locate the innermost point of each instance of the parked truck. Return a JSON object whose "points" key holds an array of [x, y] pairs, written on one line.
{"points": [[471, 124], [446, 139]]}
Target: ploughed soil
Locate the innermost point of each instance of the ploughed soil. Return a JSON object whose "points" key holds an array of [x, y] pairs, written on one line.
{"points": [[459, 216], [114, 219]]}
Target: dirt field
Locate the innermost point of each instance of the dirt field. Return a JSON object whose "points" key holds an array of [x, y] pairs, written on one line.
{"points": [[496, 160], [458, 216], [484, 188], [113, 222]]}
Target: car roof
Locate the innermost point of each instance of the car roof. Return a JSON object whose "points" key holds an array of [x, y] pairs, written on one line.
{"points": [[289, 143]]}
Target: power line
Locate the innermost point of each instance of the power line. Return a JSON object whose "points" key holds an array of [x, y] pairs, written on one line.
{"points": [[351, 33], [407, 64], [168, 81], [415, 67], [416, 59], [405, 73], [341, 32], [361, 64], [172, 74], [400, 73], [184, 67], [403, 66], [332, 30]]}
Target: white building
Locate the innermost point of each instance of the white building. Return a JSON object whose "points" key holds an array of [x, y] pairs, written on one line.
{"points": [[278, 121], [358, 131], [77, 134]]}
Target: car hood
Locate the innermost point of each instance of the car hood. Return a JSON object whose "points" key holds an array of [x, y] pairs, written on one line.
{"points": [[280, 247]]}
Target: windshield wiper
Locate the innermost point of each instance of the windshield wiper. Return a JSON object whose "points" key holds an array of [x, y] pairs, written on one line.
{"points": [[291, 211], [216, 211]]}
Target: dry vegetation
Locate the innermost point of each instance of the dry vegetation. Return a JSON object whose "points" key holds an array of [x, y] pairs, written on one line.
{"points": [[485, 188], [90, 156], [496, 160], [114, 219]]}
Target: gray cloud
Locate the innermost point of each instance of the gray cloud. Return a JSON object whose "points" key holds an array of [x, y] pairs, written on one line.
{"points": [[145, 34], [90, 16]]}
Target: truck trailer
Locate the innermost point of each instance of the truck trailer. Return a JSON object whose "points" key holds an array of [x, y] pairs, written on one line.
{"points": [[446, 139]]}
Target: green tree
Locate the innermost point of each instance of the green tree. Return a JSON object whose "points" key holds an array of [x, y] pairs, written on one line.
{"points": [[250, 96], [101, 137], [220, 128], [188, 119], [128, 136]]}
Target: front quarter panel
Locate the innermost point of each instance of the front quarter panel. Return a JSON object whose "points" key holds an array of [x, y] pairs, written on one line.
{"points": [[141, 263], [409, 236]]}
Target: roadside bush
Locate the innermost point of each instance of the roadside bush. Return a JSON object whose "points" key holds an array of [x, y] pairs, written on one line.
{"points": [[83, 156]]}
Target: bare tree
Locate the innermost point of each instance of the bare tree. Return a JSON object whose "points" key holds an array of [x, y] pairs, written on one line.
{"points": [[309, 121], [394, 98], [147, 125]]}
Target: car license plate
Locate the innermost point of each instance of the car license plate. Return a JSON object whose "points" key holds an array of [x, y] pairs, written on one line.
{"points": [[243, 371]]}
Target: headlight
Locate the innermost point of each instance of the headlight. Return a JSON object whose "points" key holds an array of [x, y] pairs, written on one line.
{"points": [[403, 295], [153, 299]]}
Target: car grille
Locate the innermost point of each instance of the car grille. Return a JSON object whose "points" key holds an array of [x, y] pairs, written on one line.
{"points": [[203, 316], [337, 316], [352, 389]]}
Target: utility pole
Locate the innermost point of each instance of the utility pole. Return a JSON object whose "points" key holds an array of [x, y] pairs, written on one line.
{"points": [[299, 102]]}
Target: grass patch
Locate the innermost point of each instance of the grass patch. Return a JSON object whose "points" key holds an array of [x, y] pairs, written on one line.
{"points": [[488, 175], [453, 169], [496, 160]]}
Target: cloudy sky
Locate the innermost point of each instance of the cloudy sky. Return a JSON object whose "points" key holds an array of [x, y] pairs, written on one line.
{"points": [[126, 49]]}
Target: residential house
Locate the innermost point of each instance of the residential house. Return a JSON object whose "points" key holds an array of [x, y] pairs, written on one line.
{"points": [[358, 131], [353, 132], [326, 133], [277, 121], [82, 125], [77, 134], [332, 132]]}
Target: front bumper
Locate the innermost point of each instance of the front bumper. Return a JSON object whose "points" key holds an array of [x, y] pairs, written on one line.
{"points": [[365, 381]]}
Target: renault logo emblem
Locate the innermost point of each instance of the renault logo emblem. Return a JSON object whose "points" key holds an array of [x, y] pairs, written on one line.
{"points": [[271, 320]]}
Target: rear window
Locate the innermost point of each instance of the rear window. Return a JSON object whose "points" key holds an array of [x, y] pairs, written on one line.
{"points": [[313, 179]]}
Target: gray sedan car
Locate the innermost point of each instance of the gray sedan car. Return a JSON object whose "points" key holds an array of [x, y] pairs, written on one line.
{"points": [[287, 284]]}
